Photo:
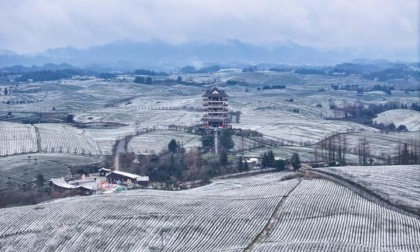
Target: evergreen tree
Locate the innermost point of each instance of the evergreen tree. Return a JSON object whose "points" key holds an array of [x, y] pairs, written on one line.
{"points": [[148, 80], [270, 158], [240, 164], [295, 161], [139, 79], [207, 141], [279, 164], [405, 155], [226, 140], [246, 166], [265, 160], [223, 158], [40, 180], [172, 146]]}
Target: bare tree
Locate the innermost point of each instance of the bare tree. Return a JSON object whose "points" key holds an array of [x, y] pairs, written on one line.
{"points": [[363, 151]]}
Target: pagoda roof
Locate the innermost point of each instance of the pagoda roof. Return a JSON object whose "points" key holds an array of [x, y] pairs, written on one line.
{"points": [[215, 92]]}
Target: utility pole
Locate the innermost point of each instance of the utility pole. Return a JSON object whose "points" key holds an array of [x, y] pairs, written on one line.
{"points": [[242, 137], [216, 140]]}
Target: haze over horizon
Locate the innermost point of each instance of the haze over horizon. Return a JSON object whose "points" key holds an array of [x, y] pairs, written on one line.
{"points": [[301, 31]]}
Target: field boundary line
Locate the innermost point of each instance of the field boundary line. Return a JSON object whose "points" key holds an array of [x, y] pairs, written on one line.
{"points": [[275, 216], [38, 138], [365, 193]]}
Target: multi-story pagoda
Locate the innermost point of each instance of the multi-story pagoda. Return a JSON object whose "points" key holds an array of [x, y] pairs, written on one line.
{"points": [[215, 103]]}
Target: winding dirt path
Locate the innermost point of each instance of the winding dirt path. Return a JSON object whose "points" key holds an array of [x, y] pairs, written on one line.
{"points": [[38, 139], [271, 222]]}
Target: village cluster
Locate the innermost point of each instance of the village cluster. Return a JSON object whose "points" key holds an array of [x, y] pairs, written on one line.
{"points": [[105, 181]]}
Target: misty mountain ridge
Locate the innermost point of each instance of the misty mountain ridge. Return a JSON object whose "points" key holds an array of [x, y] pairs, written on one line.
{"points": [[126, 54]]}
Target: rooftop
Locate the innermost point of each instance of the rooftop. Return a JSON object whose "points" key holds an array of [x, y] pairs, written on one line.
{"points": [[215, 92]]}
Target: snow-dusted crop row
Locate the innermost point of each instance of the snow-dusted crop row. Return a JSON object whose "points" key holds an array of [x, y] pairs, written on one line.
{"points": [[398, 184], [321, 215], [17, 138], [221, 219], [227, 215], [65, 139]]}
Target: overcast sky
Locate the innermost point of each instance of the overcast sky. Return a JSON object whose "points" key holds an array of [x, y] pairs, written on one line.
{"points": [[35, 25]]}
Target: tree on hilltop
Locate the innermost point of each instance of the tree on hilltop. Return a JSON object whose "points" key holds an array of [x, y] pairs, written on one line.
{"points": [[295, 161], [172, 146]]}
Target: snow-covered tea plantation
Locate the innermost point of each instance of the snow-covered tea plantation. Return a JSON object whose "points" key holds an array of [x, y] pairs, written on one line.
{"points": [[398, 184], [261, 213], [18, 138]]}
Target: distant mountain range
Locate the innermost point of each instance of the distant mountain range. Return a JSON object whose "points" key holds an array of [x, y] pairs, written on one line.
{"points": [[156, 54]]}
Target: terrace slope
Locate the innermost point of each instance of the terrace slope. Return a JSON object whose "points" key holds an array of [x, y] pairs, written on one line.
{"points": [[16, 138], [398, 184], [226, 215]]}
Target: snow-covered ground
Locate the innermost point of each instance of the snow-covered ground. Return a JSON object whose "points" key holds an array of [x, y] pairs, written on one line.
{"points": [[224, 216], [156, 141], [64, 138], [409, 118], [146, 106], [320, 215], [398, 184], [17, 138], [17, 170]]}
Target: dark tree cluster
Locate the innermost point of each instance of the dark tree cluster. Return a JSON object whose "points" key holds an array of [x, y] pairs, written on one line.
{"points": [[391, 74], [107, 76], [269, 161], [49, 75], [280, 70], [370, 111], [386, 89], [407, 153], [332, 149], [265, 87], [225, 140], [249, 69], [209, 69], [309, 71], [149, 73], [143, 80], [242, 164], [295, 162]]}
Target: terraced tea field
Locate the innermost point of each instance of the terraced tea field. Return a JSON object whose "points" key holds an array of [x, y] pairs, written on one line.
{"points": [[260, 213], [398, 184], [16, 138]]}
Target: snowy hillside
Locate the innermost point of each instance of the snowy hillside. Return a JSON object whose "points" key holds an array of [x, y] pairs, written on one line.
{"points": [[17, 138], [66, 139], [259, 213], [397, 184], [409, 118]]}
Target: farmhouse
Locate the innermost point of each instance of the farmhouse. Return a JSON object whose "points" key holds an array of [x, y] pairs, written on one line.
{"points": [[125, 177], [82, 187], [215, 103], [104, 171]]}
